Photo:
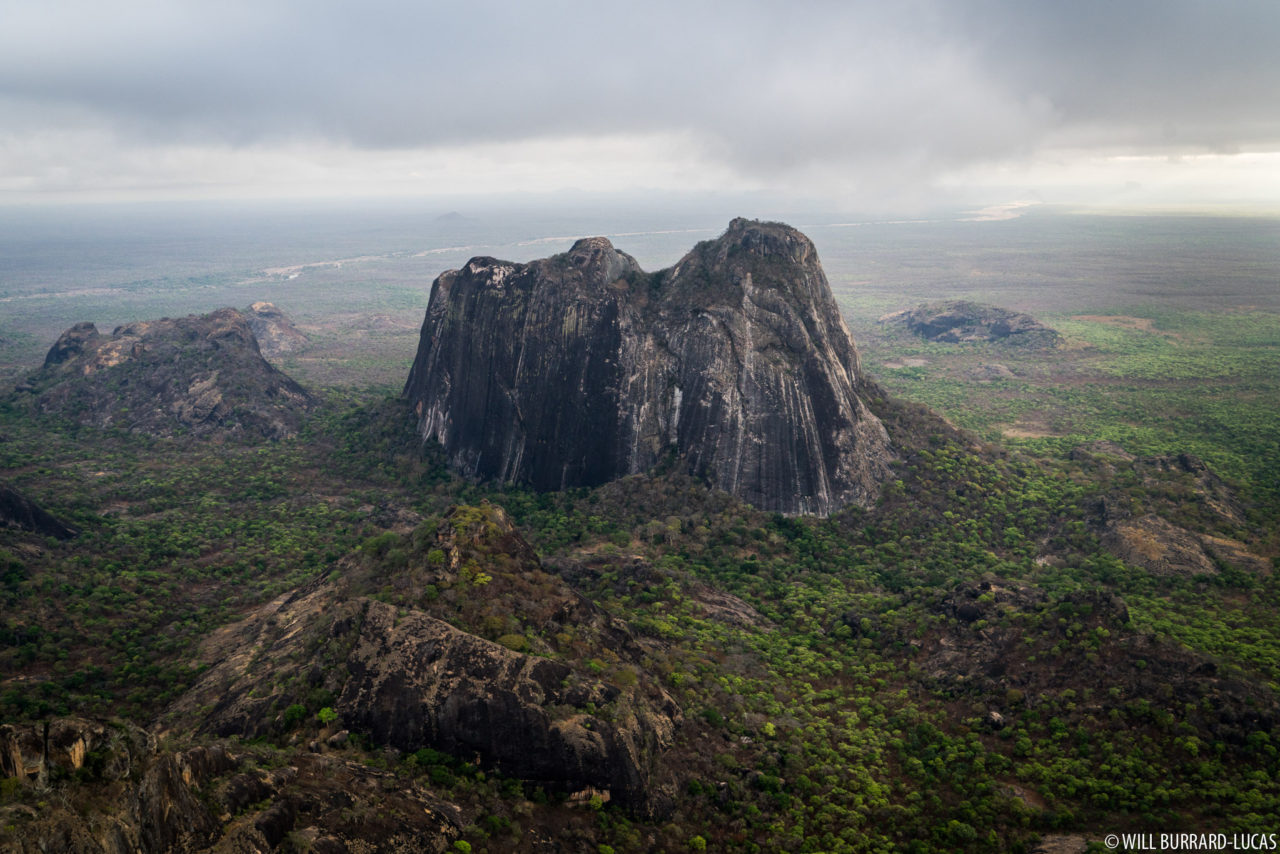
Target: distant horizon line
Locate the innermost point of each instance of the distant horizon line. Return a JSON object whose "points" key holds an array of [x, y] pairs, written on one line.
{"points": [[683, 205]]}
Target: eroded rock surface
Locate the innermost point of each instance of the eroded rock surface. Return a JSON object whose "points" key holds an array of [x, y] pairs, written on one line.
{"points": [[577, 369], [1155, 544]]}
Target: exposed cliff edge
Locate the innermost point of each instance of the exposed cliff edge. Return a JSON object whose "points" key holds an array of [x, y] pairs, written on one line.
{"points": [[962, 321], [197, 374], [580, 368]]}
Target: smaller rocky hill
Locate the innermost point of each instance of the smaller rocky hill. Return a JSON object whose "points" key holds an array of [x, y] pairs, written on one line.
{"points": [[470, 648], [199, 374], [961, 321], [1188, 521]]}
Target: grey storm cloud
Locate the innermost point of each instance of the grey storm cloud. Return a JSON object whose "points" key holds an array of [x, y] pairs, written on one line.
{"points": [[762, 86]]}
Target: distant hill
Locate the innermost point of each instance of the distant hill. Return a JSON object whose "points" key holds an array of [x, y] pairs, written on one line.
{"points": [[961, 321], [198, 374]]}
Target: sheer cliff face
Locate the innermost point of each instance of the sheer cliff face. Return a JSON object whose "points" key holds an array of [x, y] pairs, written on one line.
{"points": [[577, 369]]}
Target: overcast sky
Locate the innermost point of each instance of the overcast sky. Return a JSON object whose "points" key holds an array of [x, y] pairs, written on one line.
{"points": [[891, 102]]}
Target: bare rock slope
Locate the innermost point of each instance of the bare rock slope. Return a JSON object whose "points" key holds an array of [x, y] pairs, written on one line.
{"points": [[581, 368], [18, 511]]}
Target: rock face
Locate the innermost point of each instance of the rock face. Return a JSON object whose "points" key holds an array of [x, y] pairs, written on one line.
{"points": [[960, 321], [112, 789], [580, 368], [414, 681], [18, 511], [404, 678], [35, 753], [203, 375], [1157, 546], [274, 330]]}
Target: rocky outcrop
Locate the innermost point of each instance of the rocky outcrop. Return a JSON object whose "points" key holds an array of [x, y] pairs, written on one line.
{"points": [[580, 368], [961, 321], [110, 789], [1162, 548], [1011, 645], [1156, 545], [405, 678], [72, 343], [274, 330], [201, 375], [992, 373], [1209, 490], [18, 511], [36, 753], [411, 681], [1207, 516]]}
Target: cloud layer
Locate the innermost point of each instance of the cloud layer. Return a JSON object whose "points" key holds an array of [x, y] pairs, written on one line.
{"points": [[863, 94]]}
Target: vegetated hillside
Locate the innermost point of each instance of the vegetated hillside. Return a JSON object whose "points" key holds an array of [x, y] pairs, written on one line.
{"points": [[961, 666], [289, 645], [204, 375], [576, 369]]}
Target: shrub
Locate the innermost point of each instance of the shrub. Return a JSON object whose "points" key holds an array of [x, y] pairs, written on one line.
{"points": [[294, 715], [514, 642]]}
